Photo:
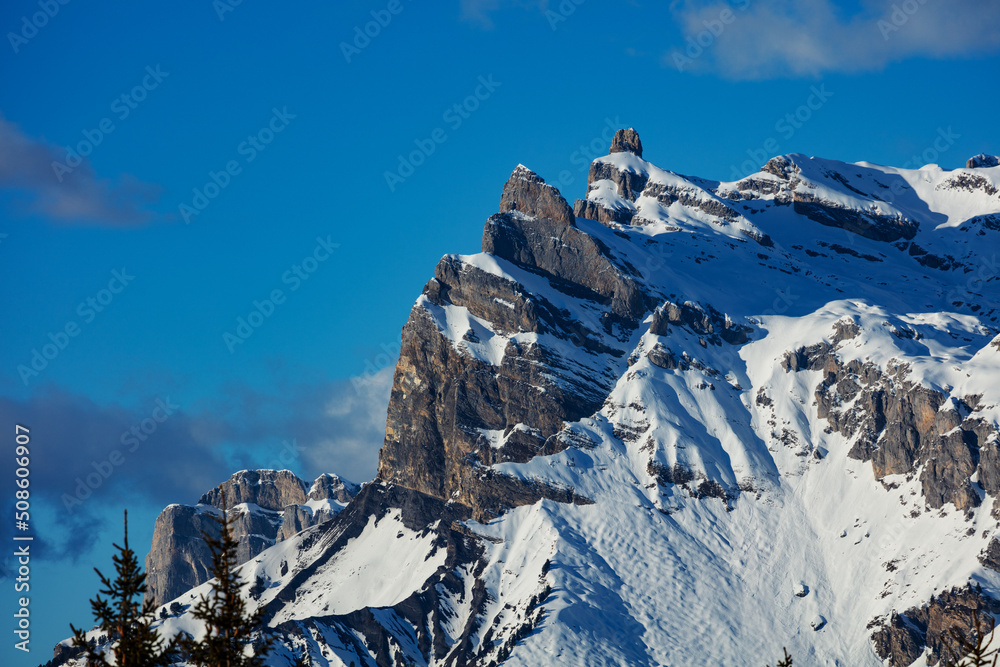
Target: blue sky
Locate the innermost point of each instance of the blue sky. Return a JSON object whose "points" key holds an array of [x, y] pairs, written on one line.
{"points": [[238, 152]]}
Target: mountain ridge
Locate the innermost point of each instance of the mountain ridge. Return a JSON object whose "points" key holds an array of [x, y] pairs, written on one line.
{"points": [[269, 506], [682, 418]]}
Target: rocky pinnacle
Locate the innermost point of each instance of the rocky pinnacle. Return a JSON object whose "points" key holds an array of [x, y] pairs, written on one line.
{"points": [[627, 141]]}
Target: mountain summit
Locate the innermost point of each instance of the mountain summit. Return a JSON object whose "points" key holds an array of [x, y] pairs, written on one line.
{"points": [[626, 141], [684, 422]]}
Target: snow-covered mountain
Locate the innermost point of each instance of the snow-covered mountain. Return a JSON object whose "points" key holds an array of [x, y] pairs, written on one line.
{"points": [[684, 422], [266, 506]]}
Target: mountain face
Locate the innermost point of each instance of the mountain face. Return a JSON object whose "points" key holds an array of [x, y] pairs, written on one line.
{"points": [[269, 506], [681, 422]]}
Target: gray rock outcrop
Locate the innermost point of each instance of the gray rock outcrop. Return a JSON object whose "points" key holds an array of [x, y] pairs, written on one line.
{"points": [[631, 185], [527, 193], [269, 489], [627, 141], [903, 427], [982, 161], [443, 398], [268, 506], [902, 638]]}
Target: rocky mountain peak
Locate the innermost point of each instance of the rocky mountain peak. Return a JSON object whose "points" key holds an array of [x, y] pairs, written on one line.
{"points": [[626, 141], [270, 489], [331, 487], [277, 508], [658, 378], [781, 166], [981, 161], [528, 193]]}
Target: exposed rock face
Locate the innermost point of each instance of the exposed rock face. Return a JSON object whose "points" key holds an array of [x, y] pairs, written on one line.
{"points": [[527, 193], [298, 517], [832, 214], [876, 227], [179, 559], [950, 463], [270, 506], [628, 184], [982, 161], [970, 183], [792, 186], [626, 141], [549, 368], [586, 208], [268, 489], [703, 320], [631, 184], [902, 638], [331, 487], [443, 399], [430, 613], [554, 248], [663, 357], [990, 557], [575, 261], [902, 427]]}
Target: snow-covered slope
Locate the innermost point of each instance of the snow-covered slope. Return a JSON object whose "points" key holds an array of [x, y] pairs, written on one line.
{"points": [[684, 422], [266, 506]]}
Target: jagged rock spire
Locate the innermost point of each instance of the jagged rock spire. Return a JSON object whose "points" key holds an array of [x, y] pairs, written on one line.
{"points": [[527, 192], [627, 141]]}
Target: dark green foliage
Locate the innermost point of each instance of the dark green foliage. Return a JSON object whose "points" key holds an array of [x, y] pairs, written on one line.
{"points": [[124, 619], [786, 661], [966, 653], [228, 626]]}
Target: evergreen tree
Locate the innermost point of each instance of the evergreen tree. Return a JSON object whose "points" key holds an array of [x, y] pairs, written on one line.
{"points": [[123, 618], [786, 661], [228, 626], [977, 651]]}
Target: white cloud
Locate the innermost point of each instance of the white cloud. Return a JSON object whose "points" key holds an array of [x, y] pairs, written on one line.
{"points": [[355, 415], [756, 40]]}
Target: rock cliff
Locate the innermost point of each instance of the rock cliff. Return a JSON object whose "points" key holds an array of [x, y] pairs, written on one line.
{"points": [[767, 407], [270, 506]]}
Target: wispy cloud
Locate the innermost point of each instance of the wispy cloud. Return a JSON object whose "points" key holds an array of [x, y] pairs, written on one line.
{"points": [[76, 439], [69, 196], [803, 38], [336, 427], [480, 12]]}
